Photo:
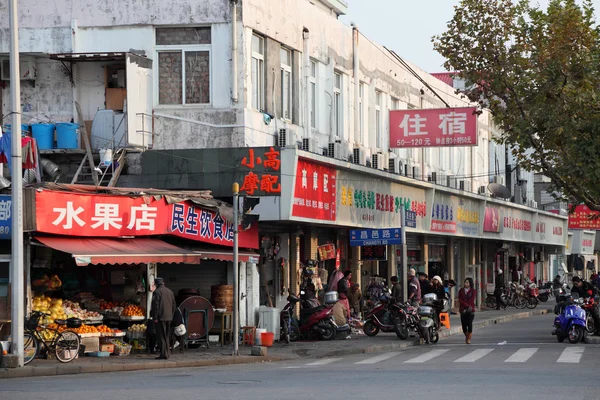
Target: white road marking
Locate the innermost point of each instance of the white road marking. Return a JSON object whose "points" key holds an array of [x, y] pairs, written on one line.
{"points": [[502, 343], [379, 358], [571, 355], [426, 357], [474, 355], [521, 355], [324, 361]]}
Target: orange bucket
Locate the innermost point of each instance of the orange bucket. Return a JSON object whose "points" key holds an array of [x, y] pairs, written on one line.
{"points": [[266, 339]]}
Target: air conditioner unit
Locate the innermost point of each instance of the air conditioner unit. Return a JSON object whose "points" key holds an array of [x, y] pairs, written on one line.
{"points": [[310, 144], [416, 173], [451, 181], [501, 179], [336, 150], [481, 190], [286, 138], [359, 156], [26, 69], [377, 161], [406, 167], [395, 166]]}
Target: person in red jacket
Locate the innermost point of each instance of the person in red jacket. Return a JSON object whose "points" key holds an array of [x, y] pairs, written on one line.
{"points": [[466, 298]]}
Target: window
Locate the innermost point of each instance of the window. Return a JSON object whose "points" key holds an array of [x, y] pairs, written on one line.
{"points": [[361, 109], [286, 84], [337, 103], [378, 121], [258, 72], [313, 94], [183, 65], [395, 104]]}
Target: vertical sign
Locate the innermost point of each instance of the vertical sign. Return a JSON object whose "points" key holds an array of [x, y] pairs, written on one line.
{"points": [[315, 191], [261, 170], [5, 216]]}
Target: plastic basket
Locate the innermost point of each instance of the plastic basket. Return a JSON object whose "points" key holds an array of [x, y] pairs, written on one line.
{"points": [[121, 350]]}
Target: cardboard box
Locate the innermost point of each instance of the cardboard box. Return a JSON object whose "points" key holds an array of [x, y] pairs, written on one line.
{"points": [[109, 348]]}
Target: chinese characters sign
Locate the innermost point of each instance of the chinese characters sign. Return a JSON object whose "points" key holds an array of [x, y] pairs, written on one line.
{"points": [[373, 253], [433, 127], [491, 220], [261, 169], [375, 237], [365, 202], [5, 216], [113, 216], [583, 242], [315, 191], [584, 218], [442, 218], [453, 214], [550, 230]]}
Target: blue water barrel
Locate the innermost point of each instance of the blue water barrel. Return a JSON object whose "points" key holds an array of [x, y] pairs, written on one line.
{"points": [[44, 135], [67, 135], [24, 128]]}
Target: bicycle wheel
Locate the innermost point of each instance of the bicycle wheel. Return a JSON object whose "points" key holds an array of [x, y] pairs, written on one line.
{"points": [[520, 302], [30, 347], [66, 346]]}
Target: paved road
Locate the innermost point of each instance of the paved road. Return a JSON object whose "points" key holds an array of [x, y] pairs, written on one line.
{"points": [[516, 360]]}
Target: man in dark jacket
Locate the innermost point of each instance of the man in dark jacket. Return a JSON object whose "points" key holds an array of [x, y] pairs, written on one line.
{"points": [[500, 286], [396, 290], [424, 282], [162, 311], [584, 290]]}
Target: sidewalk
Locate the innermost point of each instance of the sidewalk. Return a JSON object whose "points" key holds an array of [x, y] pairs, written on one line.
{"points": [[217, 355]]}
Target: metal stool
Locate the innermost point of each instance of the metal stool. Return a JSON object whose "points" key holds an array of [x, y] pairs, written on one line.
{"points": [[248, 333]]}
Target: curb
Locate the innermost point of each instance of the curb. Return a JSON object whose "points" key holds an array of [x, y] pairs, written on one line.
{"points": [[591, 339]]}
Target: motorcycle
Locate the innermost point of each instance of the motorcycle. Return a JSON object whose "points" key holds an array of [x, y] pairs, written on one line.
{"points": [[381, 317], [315, 322], [571, 322], [544, 295], [588, 305], [531, 293], [408, 320], [427, 325]]}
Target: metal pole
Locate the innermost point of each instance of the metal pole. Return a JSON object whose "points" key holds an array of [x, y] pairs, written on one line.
{"points": [[236, 272], [16, 270], [404, 254]]}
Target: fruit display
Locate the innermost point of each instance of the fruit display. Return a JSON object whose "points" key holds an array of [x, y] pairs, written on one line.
{"points": [[83, 329], [137, 331], [133, 311], [48, 282], [51, 306], [137, 328], [74, 310], [106, 329]]}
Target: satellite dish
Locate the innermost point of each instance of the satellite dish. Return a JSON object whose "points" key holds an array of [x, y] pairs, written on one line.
{"points": [[499, 190]]}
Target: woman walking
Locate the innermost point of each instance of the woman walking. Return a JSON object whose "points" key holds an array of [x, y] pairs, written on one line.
{"points": [[466, 297]]}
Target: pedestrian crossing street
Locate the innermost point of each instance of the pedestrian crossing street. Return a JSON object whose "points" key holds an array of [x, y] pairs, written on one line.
{"points": [[465, 355]]}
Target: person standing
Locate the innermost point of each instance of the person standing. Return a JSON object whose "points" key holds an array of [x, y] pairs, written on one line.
{"points": [[424, 282], [343, 288], [162, 312], [414, 288], [396, 290], [499, 289], [466, 298], [355, 300]]}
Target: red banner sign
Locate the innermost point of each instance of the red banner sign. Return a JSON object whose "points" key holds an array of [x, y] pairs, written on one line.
{"points": [[314, 194], [491, 220], [442, 127], [584, 218], [114, 216], [326, 252]]}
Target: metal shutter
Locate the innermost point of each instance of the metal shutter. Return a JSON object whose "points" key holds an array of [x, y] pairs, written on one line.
{"points": [[196, 276]]}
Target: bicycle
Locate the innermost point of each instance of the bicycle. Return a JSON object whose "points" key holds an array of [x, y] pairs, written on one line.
{"points": [[65, 344]]}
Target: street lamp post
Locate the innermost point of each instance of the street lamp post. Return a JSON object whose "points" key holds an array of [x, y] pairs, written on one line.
{"points": [[236, 272]]}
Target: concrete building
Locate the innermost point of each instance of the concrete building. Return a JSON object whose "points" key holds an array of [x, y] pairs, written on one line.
{"points": [[165, 78]]}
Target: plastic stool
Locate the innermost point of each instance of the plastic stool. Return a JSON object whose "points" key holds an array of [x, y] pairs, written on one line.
{"points": [[445, 320], [248, 333]]}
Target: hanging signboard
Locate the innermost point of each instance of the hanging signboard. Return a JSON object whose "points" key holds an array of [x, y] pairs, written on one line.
{"points": [[375, 237], [5, 216], [315, 191], [445, 127], [326, 252]]}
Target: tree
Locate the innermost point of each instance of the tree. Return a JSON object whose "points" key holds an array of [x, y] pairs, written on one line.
{"points": [[537, 71]]}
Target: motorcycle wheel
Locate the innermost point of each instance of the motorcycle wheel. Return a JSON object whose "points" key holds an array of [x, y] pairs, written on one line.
{"points": [[434, 337], [294, 331], [543, 298], [531, 303], [575, 334], [401, 329], [370, 329], [590, 327], [520, 303], [490, 302], [329, 332]]}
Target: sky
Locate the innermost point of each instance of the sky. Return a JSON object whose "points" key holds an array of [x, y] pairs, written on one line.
{"points": [[407, 26]]}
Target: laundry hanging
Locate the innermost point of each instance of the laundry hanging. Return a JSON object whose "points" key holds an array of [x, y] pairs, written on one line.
{"points": [[29, 145]]}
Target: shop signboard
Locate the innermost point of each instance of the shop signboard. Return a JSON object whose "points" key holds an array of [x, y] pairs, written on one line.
{"points": [[375, 237], [326, 252], [84, 215], [584, 218], [315, 191], [467, 217], [261, 171], [491, 220], [5, 216], [583, 242], [366, 202], [550, 230], [410, 219], [445, 127], [454, 215], [373, 253], [514, 224]]}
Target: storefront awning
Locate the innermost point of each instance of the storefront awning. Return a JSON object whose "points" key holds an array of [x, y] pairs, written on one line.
{"points": [[226, 255], [87, 251]]}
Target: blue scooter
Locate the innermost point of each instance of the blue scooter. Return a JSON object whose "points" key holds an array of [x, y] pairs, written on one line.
{"points": [[571, 321]]}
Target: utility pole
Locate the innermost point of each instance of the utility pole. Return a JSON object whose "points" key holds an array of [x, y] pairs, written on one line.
{"points": [[236, 272], [16, 265], [404, 253]]}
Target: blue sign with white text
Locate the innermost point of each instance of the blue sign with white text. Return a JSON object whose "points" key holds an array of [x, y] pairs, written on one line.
{"points": [[410, 219], [5, 216], [375, 237]]}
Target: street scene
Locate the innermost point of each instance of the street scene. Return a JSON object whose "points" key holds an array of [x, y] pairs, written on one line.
{"points": [[274, 198]]}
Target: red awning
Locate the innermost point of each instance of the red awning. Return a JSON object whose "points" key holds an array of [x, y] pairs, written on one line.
{"points": [[87, 251]]}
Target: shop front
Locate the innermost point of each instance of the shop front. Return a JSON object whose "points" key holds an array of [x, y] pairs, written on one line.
{"points": [[95, 257], [582, 260]]}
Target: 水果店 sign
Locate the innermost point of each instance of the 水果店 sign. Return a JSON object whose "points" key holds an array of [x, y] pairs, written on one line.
{"points": [[86, 215]]}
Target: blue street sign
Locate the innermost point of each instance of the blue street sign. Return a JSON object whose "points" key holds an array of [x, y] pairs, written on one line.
{"points": [[375, 237], [410, 219], [5, 216]]}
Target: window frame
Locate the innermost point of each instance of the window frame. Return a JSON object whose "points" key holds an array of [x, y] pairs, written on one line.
{"points": [[260, 87], [338, 103], [289, 70], [183, 48], [361, 108], [378, 119], [313, 77]]}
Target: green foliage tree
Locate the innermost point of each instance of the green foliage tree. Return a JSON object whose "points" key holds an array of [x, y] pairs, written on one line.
{"points": [[537, 71]]}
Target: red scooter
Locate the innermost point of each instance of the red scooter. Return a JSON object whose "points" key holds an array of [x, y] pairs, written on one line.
{"points": [[381, 317], [315, 322]]}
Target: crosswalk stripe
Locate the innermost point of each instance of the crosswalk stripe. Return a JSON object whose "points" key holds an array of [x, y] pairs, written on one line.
{"points": [[474, 355], [426, 357], [521, 355], [571, 355], [324, 361], [379, 358]]}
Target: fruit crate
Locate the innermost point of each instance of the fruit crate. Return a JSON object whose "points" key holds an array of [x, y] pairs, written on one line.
{"points": [[121, 349], [136, 334]]}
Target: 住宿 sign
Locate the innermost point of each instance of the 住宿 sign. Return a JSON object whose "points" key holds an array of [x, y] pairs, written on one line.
{"points": [[375, 237], [433, 127]]}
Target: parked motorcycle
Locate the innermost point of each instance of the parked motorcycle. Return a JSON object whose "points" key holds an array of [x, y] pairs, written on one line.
{"points": [[571, 322], [381, 317], [315, 322], [588, 306], [531, 293], [407, 321], [427, 325]]}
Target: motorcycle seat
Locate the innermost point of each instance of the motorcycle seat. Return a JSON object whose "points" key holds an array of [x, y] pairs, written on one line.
{"points": [[309, 311]]}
